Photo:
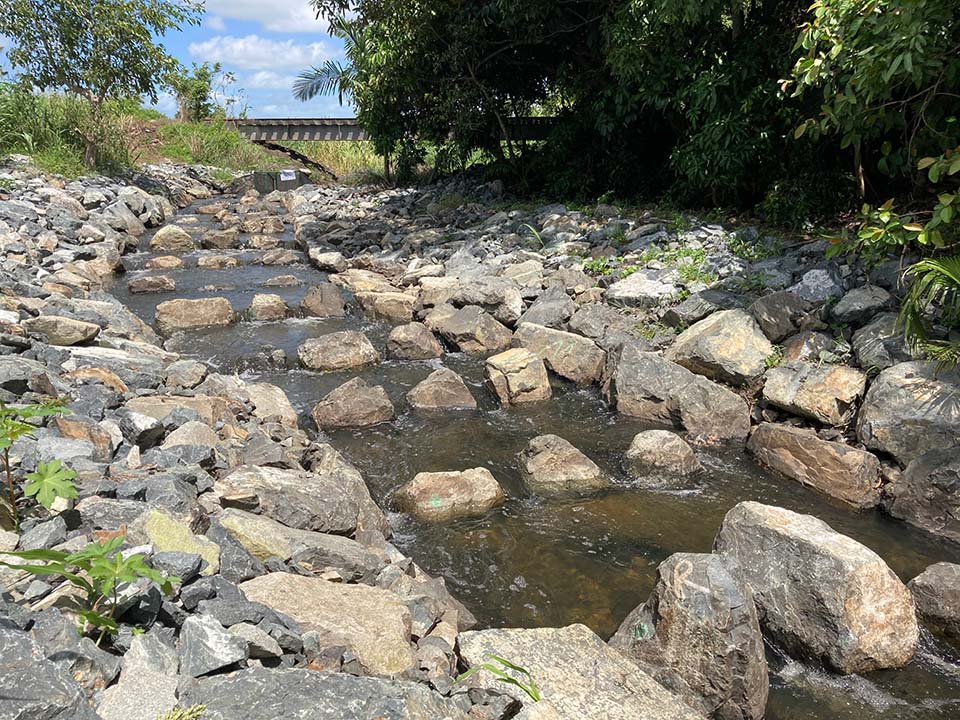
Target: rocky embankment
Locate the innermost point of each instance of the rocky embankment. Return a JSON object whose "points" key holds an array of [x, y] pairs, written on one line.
{"points": [[292, 602]]}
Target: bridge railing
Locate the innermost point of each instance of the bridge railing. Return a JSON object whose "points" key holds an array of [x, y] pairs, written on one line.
{"points": [[329, 129]]}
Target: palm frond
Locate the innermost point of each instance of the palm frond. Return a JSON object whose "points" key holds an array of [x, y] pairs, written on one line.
{"points": [[329, 78], [934, 292]]}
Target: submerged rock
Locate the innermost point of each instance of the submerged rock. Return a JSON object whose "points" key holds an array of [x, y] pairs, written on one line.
{"points": [[517, 376], [442, 389], [353, 404], [441, 496], [727, 346], [550, 465], [337, 351]]}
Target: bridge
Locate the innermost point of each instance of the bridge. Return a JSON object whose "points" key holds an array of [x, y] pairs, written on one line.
{"points": [[277, 130]]}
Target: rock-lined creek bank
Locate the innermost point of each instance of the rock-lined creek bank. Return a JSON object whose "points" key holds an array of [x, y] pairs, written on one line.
{"points": [[380, 435]]}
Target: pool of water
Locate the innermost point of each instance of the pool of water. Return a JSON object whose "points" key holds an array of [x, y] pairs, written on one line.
{"points": [[549, 562]]}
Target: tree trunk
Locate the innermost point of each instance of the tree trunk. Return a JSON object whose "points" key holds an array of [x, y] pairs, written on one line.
{"points": [[858, 169]]}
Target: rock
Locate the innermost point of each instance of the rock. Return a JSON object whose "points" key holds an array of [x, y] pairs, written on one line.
{"points": [[498, 295], [643, 385], [262, 694], [148, 682], [167, 534], [267, 307], [727, 346], [353, 404], [819, 285], [825, 393], [57, 330], [442, 496], [192, 433], [517, 376], [833, 468], [660, 452], [151, 284], [172, 239], [808, 346], [217, 262], [44, 535], [549, 465], [927, 493], [937, 594], [575, 671], [338, 351], [413, 341], [699, 305], [221, 239], [473, 331], [861, 304], [552, 309], [206, 647], [270, 403], [910, 409], [442, 389], [259, 643], [390, 306], [327, 261], [821, 595], [779, 314], [879, 344], [181, 314], [185, 566], [323, 300], [164, 262], [644, 288], [373, 623], [139, 429], [570, 356], [698, 636]]}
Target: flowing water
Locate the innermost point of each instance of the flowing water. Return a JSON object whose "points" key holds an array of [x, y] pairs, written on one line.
{"points": [[536, 562]]}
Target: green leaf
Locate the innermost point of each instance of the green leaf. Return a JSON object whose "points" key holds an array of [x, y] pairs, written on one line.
{"points": [[50, 481]]}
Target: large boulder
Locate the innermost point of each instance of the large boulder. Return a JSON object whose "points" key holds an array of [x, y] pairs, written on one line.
{"points": [[698, 636], [838, 470], [474, 331], [498, 295], [825, 393], [643, 288], [517, 376], [395, 307], [373, 623], [937, 593], [910, 409], [441, 496], [549, 465], [879, 344], [442, 389], [183, 314], [577, 673], [644, 385], [57, 330], [821, 595], [779, 314], [323, 300], [338, 351], [727, 346], [413, 341], [660, 453], [861, 304], [172, 239], [267, 307], [927, 493], [570, 356], [354, 404]]}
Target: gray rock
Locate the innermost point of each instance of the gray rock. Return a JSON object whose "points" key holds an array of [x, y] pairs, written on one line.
{"points": [[442, 389], [727, 346], [140, 429], [570, 356], [825, 393], [206, 647], [661, 454], [88, 665], [927, 493], [699, 305], [549, 465], [44, 535], [879, 344], [779, 314], [57, 330], [353, 404], [259, 643], [148, 682], [338, 351], [499, 296], [937, 593], [185, 566], [552, 309], [698, 636], [644, 288], [473, 331], [861, 304], [819, 285], [413, 341]]}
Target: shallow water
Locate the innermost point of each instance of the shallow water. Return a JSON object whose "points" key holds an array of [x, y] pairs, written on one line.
{"points": [[537, 562]]}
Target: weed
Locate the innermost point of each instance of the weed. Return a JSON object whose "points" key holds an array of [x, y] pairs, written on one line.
{"points": [[774, 359], [528, 686], [759, 249], [533, 231], [191, 713]]}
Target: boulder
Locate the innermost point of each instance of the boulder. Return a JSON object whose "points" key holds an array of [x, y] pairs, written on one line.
{"points": [[338, 351], [164, 262], [662, 453], [570, 356], [205, 646], [644, 288], [699, 305], [552, 309], [927, 493], [442, 496], [825, 393], [394, 307], [937, 593], [727, 346], [357, 280], [327, 261], [172, 239], [267, 307], [217, 262], [779, 314], [57, 330], [323, 300], [808, 346], [182, 314], [549, 465], [819, 285], [151, 284], [148, 682], [373, 623], [576, 673], [498, 295], [221, 239], [644, 385], [442, 389], [821, 595], [192, 433], [879, 344], [165, 533], [910, 409], [413, 341], [473, 331], [517, 376], [353, 404], [861, 304], [698, 636], [833, 468]]}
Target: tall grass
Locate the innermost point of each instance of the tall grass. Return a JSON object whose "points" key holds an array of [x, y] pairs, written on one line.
{"points": [[214, 143], [350, 160]]}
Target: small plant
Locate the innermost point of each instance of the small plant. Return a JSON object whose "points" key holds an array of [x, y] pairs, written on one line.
{"points": [[598, 266], [533, 231], [761, 249], [191, 713], [97, 570], [774, 359], [529, 686], [934, 283]]}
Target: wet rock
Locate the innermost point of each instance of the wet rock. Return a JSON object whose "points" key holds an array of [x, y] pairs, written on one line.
{"points": [[353, 404], [473, 331], [205, 646], [148, 682], [442, 389], [267, 307], [936, 592], [821, 595], [57, 330], [570, 356], [576, 672], [644, 288], [221, 239], [658, 452], [833, 468], [517, 376], [338, 351], [552, 309], [779, 314], [727, 346], [910, 409], [646, 386], [819, 285], [323, 300], [825, 393], [172, 239], [166, 533], [413, 341], [879, 344], [927, 493], [164, 262], [217, 262], [373, 623], [151, 284], [393, 307], [550, 465], [861, 304], [442, 496], [698, 636], [181, 314]]}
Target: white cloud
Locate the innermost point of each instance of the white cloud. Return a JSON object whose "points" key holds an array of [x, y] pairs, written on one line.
{"points": [[257, 53], [268, 80], [276, 15], [215, 23], [166, 103]]}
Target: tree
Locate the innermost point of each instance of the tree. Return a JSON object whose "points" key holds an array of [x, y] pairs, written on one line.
{"points": [[333, 76], [201, 92], [99, 50]]}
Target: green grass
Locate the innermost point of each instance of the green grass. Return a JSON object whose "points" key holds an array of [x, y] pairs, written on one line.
{"points": [[348, 159], [214, 144]]}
